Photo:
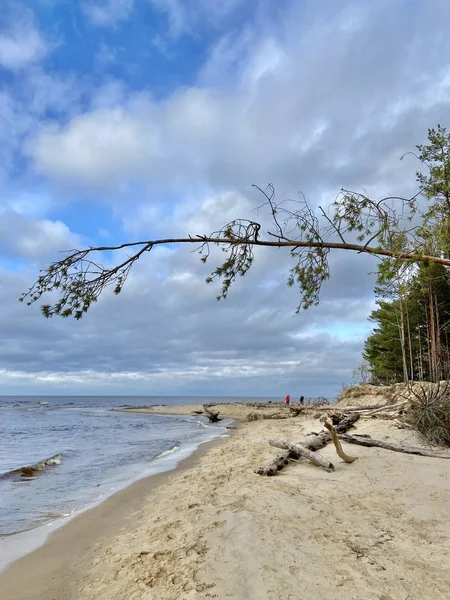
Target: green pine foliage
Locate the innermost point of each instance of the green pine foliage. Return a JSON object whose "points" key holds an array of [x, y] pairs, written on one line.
{"points": [[411, 337], [382, 349]]}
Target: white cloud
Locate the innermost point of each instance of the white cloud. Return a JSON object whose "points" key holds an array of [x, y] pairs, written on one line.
{"points": [[21, 44], [170, 334], [307, 110], [98, 147], [312, 101], [34, 240], [107, 13]]}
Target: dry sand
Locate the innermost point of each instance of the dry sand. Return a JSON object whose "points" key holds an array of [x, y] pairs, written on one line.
{"points": [[232, 410], [376, 529]]}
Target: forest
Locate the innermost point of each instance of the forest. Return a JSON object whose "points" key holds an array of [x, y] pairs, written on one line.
{"points": [[411, 336]]}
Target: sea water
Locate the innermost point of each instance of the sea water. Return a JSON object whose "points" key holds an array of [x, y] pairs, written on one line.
{"points": [[96, 450]]}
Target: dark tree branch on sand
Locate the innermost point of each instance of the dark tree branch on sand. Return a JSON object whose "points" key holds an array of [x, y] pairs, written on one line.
{"points": [[212, 416], [368, 442]]}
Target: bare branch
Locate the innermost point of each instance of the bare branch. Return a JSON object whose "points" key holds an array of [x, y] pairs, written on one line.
{"points": [[79, 279]]}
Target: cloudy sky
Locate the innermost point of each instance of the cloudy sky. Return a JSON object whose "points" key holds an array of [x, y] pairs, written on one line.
{"points": [[130, 119]]}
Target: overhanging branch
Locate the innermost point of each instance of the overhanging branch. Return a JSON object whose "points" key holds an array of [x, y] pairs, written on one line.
{"points": [[79, 279]]}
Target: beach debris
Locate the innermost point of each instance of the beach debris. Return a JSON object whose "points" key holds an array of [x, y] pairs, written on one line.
{"points": [[313, 442], [402, 424], [300, 451], [212, 416], [258, 416], [363, 441], [392, 410], [254, 416], [296, 410], [337, 444]]}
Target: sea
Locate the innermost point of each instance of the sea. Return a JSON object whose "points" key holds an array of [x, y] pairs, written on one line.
{"points": [[60, 455]]}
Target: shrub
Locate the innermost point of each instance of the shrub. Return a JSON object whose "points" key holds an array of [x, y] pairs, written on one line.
{"points": [[429, 413]]}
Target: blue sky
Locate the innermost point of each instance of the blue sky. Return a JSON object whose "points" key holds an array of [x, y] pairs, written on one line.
{"points": [[130, 119]]}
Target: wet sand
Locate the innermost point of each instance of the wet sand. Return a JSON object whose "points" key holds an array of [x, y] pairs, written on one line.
{"points": [[57, 570]]}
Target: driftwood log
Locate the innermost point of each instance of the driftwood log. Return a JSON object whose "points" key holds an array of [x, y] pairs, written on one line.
{"points": [[212, 416], [296, 410], [300, 451], [313, 442], [337, 444], [362, 441], [367, 409]]}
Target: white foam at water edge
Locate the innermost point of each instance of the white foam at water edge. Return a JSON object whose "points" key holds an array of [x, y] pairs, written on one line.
{"points": [[16, 546], [167, 452]]}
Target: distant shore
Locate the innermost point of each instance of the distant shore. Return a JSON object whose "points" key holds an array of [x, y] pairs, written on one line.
{"points": [[227, 410], [374, 529]]}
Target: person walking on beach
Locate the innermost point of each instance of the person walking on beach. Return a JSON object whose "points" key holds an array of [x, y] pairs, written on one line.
{"points": [[302, 399], [288, 399]]}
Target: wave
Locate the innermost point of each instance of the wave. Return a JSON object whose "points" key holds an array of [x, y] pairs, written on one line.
{"points": [[174, 448], [31, 470]]}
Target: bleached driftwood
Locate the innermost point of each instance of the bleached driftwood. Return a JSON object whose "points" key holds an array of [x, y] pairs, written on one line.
{"points": [[337, 444], [313, 442], [366, 410], [402, 424], [296, 410], [362, 441], [300, 451]]}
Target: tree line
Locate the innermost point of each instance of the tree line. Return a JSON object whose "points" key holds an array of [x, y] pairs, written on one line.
{"points": [[411, 336]]}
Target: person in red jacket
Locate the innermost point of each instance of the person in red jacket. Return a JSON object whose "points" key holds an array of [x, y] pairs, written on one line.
{"points": [[288, 399]]}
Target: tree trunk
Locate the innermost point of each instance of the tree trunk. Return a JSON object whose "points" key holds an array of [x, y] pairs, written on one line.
{"points": [[432, 332], [300, 451], [408, 329], [438, 340], [401, 328], [420, 355], [313, 442], [354, 439]]}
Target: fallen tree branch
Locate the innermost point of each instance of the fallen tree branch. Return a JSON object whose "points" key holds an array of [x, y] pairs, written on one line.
{"points": [[257, 416], [337, 444], [300, 451], [296, 410], [355, 439], [387, 408], [212, 416], [369, 408], [313, 442], [335, 407], [402, 424]]}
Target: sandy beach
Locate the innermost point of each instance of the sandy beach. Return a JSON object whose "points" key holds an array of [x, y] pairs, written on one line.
{"points": [[376, 529]]}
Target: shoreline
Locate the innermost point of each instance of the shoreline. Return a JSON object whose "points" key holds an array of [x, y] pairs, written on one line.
{"points": [[374, 529], [94, 521]]}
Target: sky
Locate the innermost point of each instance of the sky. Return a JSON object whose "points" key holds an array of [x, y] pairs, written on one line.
{"points": [[134, 119]]}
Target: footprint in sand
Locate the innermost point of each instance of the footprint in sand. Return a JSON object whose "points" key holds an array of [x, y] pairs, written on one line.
{"points": [[197, 549]]}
